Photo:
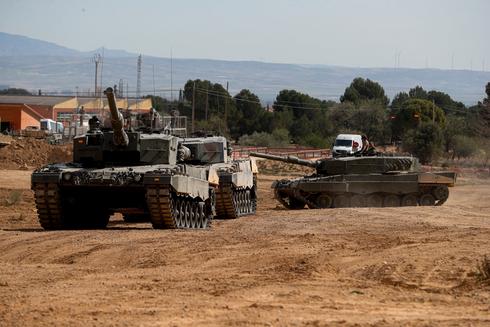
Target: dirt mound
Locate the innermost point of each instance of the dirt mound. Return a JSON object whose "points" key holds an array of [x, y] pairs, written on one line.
{"points": [[31, 153]]}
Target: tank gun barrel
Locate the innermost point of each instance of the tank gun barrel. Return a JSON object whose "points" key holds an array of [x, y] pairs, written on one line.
{"points": [[288, 159], [120, 137]]}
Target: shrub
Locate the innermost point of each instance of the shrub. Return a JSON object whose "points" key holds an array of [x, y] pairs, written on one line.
{"points": [[14, 197], [278, 138]]}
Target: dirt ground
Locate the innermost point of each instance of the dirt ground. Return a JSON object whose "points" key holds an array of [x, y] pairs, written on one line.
{"points": [[340, 267]]}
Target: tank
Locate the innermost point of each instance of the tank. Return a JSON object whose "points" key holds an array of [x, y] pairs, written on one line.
{"points": [[371, 181], [134, 172], [234, 181]]}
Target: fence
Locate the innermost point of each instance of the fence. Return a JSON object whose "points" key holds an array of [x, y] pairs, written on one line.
{"points": [[298, 151]]}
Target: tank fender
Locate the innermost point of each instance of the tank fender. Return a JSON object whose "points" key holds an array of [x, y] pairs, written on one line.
{"points": [[253, 165], [213, 177], [48, 177], [194, 187]]}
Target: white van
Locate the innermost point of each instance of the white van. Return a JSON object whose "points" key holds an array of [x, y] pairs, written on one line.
{"points": [[346, 144]]}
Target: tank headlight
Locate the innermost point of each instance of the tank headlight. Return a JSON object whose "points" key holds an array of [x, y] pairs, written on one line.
{"points": [[67, 176], [137, 177]]}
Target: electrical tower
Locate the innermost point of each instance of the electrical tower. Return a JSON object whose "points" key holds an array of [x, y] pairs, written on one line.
{"points": [[121, 88], [97, 59], [138, 81]]}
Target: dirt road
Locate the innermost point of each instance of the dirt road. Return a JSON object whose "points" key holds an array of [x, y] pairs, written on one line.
{"points": [[383, 266]]}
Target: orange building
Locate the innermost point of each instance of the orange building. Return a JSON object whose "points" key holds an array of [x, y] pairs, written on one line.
{"points": [[18, 112], [18, 116]]}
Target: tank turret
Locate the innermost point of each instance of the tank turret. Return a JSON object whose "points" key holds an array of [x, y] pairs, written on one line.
{"points": [[350, 165], [118, 147]]}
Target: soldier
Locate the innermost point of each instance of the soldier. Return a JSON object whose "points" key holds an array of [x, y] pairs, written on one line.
{"points": [[367, 148]]}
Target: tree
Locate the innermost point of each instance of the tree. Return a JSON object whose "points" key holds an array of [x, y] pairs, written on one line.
{"points": [[424, 142], [364, 89], [481, 122], [418, 93], [14, 91], [301, 114], [300, 103], [250, 112], [398, 100], [412, 113]]}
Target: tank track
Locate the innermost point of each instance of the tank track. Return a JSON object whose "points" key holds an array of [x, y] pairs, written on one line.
{"points": [[232, 203], [171, 211], [48, 204], [54, 215], [428, 196]]}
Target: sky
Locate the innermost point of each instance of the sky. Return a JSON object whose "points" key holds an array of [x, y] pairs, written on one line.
{"points": [[446, 34]]}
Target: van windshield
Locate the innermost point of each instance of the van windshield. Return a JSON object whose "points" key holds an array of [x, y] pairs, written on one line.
{"points": [[343, 143]]}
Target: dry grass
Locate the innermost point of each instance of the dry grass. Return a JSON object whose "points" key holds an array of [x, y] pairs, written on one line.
{"points": [[14, 197], [484, 269]]}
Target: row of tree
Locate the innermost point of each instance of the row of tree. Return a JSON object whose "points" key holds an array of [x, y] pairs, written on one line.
{"points": [[425, 123]]}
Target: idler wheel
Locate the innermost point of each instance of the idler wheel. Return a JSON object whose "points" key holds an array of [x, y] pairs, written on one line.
{"points": [[391, 200], [441, 192], [409, 200], [358, 201], [341, 201], [375, 200], [427, 200], [295, 203]]}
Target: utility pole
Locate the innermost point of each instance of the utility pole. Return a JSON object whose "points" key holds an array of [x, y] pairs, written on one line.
{"points": [[433, 111], [226, 104], [153, 79], [97, 59], [193, 104], [138, 79], [207, 103], [171, 76]]}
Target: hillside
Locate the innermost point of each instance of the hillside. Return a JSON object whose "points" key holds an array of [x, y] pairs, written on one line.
{"points": [[35, 64]]}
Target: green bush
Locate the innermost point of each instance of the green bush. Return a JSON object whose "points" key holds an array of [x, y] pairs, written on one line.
{"points": [[464, 146], [278, 138], [315, 140]]}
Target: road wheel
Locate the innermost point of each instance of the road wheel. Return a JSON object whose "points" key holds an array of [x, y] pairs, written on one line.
{"points": [[324, 201], [375, 200], [358, 201], [409, 200], [427, 200], [341, 201], [391, 200]]}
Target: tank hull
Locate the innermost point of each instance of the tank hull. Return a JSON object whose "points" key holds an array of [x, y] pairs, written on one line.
{"points": [[365, 190], [170, 196]]}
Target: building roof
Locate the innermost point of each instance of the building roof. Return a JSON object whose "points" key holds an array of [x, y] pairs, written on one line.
{"points": [[33, 99], [69, 102]]}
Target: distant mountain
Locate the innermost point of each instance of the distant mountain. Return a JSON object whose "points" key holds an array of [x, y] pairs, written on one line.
{"points": [[35, 64], [16, 45]]}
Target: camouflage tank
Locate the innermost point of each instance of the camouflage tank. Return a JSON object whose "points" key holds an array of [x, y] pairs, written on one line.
{"points": [[371, 181], [132, 172], [235, 181]]}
